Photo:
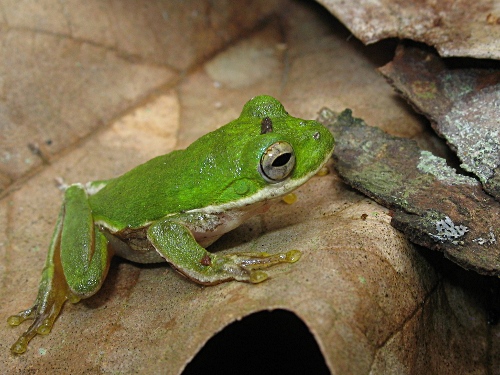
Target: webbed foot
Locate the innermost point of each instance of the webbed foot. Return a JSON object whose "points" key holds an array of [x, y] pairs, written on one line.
{"points": [[44, 313]]}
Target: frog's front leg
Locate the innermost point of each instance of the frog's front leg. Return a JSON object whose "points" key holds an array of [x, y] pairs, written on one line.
{"points": [[76, 265], [175, 242]]}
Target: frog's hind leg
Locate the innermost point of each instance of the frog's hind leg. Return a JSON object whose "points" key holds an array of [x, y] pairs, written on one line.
{"points": [[52, 293], [85, 256], [75, 239]]}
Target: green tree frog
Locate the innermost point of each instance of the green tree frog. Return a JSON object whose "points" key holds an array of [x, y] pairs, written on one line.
{"points": [[173, 206]]}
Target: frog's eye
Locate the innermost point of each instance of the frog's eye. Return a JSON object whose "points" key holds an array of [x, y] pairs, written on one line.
{"points": [[277, 162]]}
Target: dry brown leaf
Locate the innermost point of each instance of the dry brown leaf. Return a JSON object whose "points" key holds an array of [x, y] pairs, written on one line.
{"points": [[373, 302], [75, 66], [455, 28]]}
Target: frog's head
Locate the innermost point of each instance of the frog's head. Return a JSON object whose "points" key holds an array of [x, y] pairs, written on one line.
{"points": [[269, 152]]}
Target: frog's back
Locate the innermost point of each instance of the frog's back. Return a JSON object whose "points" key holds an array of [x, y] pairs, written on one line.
{"points": [[148, 192], [176, 182]]}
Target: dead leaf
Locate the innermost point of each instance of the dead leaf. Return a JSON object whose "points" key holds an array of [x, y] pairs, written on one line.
{"points": [[371, 299], [457, 28]]}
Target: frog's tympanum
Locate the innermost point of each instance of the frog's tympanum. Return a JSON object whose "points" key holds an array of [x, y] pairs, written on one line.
{"points": [[173, 206]]}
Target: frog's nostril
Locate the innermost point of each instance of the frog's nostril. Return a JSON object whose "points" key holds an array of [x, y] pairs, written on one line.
{"points": [[316, 135]]}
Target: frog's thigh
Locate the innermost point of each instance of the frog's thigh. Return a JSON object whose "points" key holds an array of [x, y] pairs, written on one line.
{"points": [[84, 249]]}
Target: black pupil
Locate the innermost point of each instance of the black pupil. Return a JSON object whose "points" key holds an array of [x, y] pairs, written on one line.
{"points": [[282, 160]]}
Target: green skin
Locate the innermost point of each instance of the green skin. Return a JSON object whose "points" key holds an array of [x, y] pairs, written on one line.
{"points": [[173, 206]]}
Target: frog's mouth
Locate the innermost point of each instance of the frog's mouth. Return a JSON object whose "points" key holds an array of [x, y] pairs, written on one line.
{"points": [[268, 193]]}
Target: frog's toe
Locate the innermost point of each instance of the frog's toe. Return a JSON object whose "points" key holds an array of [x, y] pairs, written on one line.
{"points": [[22, 342], [43, 314], [37, 328], [14, 320], [247, 266], [253, 261], [45, 327], [292, 256], [20, 345], [257, 277], [41, 326]]}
